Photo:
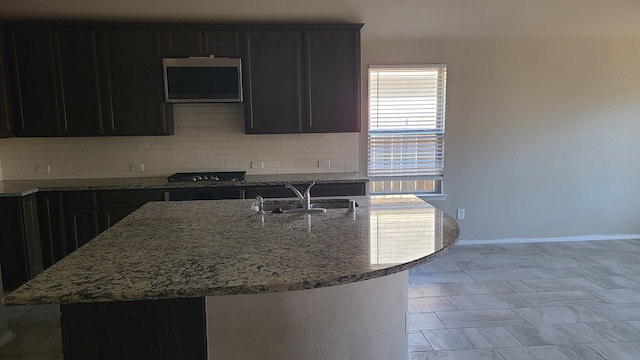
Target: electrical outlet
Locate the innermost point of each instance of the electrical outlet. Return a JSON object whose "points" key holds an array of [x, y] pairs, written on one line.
{"points": [[324, 163], [461, 214], [137, 167], [257, 165], [43, 169]]}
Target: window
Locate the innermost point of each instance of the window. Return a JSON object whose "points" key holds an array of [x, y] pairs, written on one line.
{"points": [[406, 128]]}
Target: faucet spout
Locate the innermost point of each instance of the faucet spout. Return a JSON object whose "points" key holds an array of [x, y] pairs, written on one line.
{"points": [[295, 191], [305, 199]]}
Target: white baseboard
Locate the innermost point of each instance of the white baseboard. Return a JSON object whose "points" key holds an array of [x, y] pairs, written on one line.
{"points": [[555, 239], [6, 338]]}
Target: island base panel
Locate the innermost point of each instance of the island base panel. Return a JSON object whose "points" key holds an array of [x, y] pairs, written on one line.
{"points": [[362, 320], [135, 330]]}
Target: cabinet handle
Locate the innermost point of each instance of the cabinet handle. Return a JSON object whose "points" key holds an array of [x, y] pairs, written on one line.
{"points": [[308, 70], [17, 75], [75, 230], [61, 84], [112, 122]]}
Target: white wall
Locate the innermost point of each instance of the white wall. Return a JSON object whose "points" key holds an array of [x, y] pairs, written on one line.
{"points": [[541, 134]]}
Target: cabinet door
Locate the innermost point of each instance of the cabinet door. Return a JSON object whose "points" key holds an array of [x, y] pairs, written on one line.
{"points": [[20, 251], [117, 204], [182, 43], [55, 82], [193, 42], [5, 113], [52, 229], [83, 226], [332, 87], [221, 43], [32, 235], [111, 216], [79, 95], [81, 213], [272, 82], [132, 85], [134, 330], [32, 70], [13, 256]]}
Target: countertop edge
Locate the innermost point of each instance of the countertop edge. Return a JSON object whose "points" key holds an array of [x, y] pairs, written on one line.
{"points": [[160, 294]]}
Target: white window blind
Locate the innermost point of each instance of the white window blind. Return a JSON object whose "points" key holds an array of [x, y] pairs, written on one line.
{"points": [[406, 122]]}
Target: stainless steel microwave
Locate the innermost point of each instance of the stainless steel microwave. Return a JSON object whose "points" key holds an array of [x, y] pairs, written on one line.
{"points": [[202, 80]]}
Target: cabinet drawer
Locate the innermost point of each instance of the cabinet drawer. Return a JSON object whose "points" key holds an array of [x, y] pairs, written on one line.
{"points": [[81, 200], [129, 198], [280, 191], [217, 193]]}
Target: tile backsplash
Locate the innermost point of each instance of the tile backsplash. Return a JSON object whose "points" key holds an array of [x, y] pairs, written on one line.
{"points": [[207, 138]]}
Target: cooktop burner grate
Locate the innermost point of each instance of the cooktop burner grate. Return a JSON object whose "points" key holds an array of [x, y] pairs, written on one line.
{"points": [[207, 176]]}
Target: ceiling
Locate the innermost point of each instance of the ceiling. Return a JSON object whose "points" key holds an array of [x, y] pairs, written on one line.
{"points": [[388, 19]]}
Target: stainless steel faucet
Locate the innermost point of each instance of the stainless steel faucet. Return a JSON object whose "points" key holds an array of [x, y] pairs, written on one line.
{"points": [[305, 199]]}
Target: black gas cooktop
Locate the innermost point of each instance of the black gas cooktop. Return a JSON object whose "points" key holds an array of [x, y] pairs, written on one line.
{"points": [[208, 176]]}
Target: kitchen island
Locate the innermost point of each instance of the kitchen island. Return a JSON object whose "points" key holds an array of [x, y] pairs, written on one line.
{"points": [[215, 280]]}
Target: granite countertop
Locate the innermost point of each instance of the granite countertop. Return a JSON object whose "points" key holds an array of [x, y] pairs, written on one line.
{"points": [[26, 187], [209, 248]]}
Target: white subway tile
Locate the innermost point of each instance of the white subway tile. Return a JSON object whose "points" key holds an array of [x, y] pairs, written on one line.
{"points": [[207, 136]]}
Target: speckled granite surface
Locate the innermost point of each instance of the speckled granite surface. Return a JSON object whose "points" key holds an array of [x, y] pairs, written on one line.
{"points": [[208, 248], [26, 187]]}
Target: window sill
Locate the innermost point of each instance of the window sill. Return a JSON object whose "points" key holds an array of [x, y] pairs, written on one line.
{"points": [[432, 197], [423, 196]]}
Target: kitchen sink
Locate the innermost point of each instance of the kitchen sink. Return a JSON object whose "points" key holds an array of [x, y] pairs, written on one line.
{"points": [[278, 206]]}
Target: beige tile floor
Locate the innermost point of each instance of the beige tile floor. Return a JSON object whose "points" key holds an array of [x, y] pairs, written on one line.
{"points": [[547, 301], [37, 333]]}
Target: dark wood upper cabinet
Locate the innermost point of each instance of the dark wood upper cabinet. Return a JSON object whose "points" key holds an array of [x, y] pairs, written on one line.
{"points": [[195, 42], [222, 43], [79, 94], [5, 110], [132, 82], [33, 78], [93, 79], [332, 74], [273, 82], [55, 83], [302, 80], [182, 43]]}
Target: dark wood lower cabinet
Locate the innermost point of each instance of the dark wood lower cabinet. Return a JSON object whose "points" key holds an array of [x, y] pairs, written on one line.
{"points": [[280, 191], [81, 216], [115, 205], [52, 228], [213, 193], [171, 329], [20, 248]]}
